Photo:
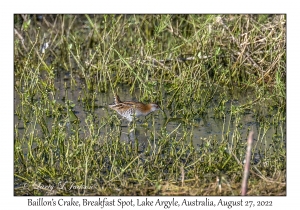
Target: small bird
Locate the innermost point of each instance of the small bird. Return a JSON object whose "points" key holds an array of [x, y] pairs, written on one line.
{"points": [[129, 109]]}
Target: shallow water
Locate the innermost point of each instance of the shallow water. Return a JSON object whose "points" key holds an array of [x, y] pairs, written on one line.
{"points": [[201, 127]]}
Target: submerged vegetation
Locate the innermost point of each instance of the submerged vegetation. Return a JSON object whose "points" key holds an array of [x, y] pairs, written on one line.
{"points": [[230, 65]]}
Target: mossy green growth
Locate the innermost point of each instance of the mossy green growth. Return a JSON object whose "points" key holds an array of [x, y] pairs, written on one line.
{"points": [[198, 68]]}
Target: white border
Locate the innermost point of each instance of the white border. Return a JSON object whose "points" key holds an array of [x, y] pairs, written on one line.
{"points": [[8, 201]]}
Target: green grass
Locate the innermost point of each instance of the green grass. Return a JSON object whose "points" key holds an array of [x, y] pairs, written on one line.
{"points": [[189, 64]]}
